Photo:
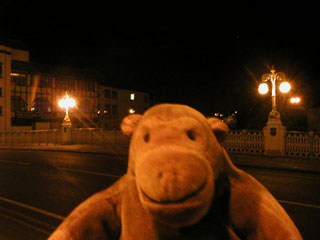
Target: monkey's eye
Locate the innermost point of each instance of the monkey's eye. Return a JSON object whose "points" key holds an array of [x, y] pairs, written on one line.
{"points": [[146, 137], [191, 135]]}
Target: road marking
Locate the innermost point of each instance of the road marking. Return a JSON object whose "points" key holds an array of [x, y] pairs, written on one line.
{"points": [[44, 212], [90, 172], [300, 204], [26, 224], [15, 162], [28, 218]]}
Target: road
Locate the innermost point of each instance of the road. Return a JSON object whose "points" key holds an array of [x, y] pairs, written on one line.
{"points": [[39, 188], [298, 193]]}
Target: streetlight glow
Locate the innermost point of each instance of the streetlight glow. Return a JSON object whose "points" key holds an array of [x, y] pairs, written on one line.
{"points": [[285, 87], [67, 102], [295, 100], [273, 77], [263, 88]]}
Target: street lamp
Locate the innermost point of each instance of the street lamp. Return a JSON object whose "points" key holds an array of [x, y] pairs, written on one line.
{"points": [[273, 77], [274, 132], [295, 100], [67, 102]]}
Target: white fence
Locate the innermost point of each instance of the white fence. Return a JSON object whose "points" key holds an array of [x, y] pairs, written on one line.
{"points": [[36, 137], [244, 141], [303, 144], [96, 136], [297, 144]]}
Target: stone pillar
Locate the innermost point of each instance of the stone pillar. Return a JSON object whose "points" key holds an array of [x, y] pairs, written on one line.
{"points": [[66, 132], [274, 135]]}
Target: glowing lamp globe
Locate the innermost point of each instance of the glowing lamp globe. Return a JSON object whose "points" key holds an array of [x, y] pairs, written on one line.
{"points": [[285, 87], [295, 100], [263, 88], [67, 102]]}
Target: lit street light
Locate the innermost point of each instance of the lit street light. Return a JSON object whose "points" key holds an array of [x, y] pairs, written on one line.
{"points": [[67, 102], [295, 100], [274, 131], [273, 77]]}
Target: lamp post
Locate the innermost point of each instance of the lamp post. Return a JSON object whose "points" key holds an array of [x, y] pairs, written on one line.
{"points": [[274, 132], [66, 102], [284, 87]]}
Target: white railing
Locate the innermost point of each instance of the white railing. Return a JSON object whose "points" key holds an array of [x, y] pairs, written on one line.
{"points": [[303, 144], [36, 137], [316, 145], [297, 144], [96, 136], [245, 141]]}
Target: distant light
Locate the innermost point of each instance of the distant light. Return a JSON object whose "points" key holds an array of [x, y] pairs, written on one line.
{"points": [[132, 96], [216, 114], [14, 74], [32, 109], [99, 112], [131, 110], [295, 100], [105, 111], [221, 115], [263, 88], [285, 87]]}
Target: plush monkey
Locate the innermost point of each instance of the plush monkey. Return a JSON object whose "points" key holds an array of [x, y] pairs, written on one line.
{"points": [[180, 184]]}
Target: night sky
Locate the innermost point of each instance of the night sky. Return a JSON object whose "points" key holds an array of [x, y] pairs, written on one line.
{"points": [[211, 57]]}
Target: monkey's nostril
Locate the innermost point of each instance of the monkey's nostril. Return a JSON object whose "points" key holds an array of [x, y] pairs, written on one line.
{"points": [[191, 135], [146, 137]]}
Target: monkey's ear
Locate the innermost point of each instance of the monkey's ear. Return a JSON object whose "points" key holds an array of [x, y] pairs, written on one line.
{"points": [[219, 128], [129, 123]]}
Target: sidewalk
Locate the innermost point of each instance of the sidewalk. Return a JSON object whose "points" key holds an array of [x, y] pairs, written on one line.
{"points": [[311, 165], [104, 149]]}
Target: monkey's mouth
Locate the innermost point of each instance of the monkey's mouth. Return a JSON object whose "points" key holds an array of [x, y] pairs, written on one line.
{"points": [[187, 198]]}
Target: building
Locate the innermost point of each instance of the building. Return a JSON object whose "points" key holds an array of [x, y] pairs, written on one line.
{"points": [[29, 94], [114, 104]]}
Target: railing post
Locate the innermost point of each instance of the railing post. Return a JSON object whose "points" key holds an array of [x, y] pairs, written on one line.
{"points": [[66, 132], [311, 134], [244, 134], [275, 137]]}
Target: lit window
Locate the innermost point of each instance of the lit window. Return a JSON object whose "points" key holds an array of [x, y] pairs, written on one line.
{"points": [[132, 96], [131, 110]]}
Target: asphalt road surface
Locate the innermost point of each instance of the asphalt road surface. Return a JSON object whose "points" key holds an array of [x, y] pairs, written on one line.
{"points": [[39, 188]]}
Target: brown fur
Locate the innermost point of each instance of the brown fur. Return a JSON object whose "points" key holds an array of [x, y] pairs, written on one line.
{"points": [[180, 184]]}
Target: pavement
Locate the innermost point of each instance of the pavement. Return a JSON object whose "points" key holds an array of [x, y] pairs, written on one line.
{"points": [[310, 165]]}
